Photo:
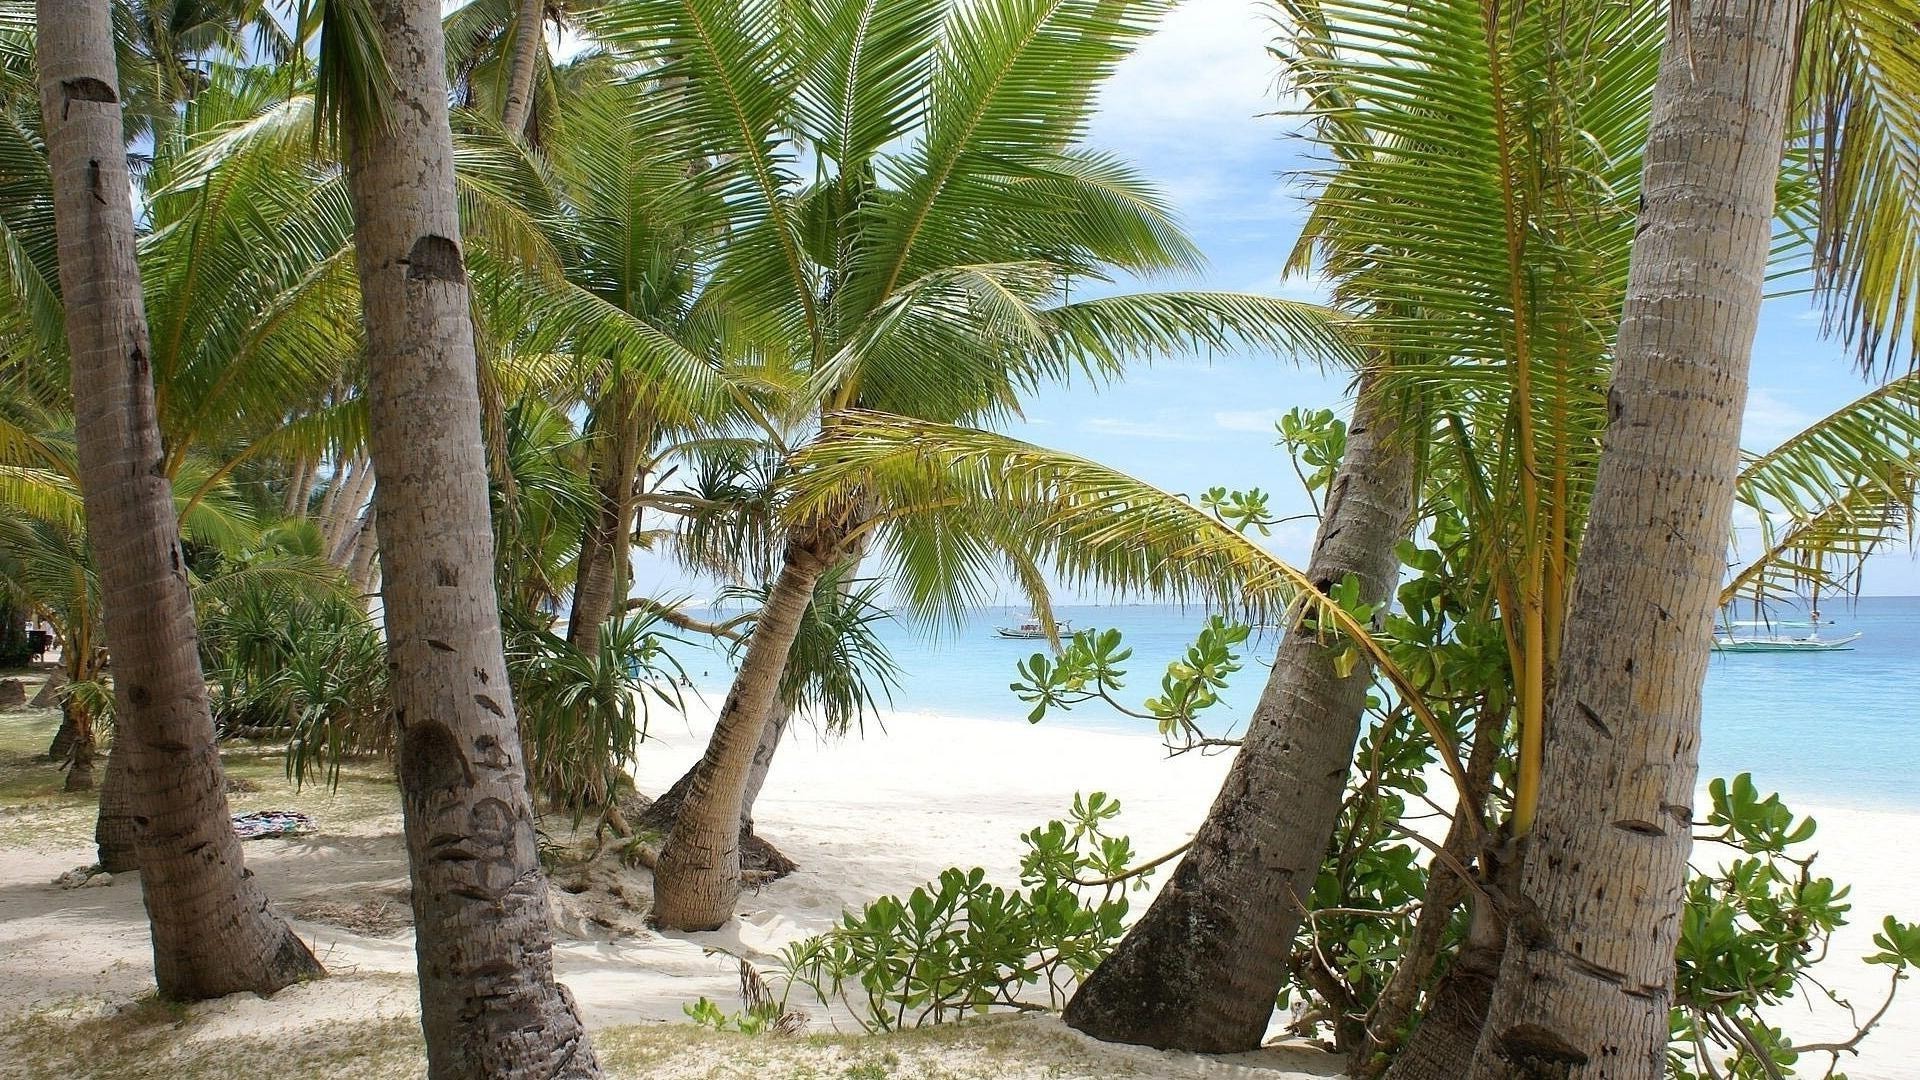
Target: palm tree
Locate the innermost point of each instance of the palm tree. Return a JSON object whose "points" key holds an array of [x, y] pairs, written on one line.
{"points": [[1585, 988], [956, 247], [214, 931], [1827, 497], [490, 1005], [1237, 896], [1412, 226]]}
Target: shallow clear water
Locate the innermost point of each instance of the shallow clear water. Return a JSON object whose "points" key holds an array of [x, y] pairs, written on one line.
{"points": [[1838, 728]]}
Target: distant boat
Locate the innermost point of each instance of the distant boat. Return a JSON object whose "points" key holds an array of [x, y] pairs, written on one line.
{"points": [[1032, 628], [1811, 643]]}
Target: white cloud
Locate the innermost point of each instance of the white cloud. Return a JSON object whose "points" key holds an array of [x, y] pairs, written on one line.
{"points": [[1260, 420], [1206, 66], [1135, 429], [1771, 418]]}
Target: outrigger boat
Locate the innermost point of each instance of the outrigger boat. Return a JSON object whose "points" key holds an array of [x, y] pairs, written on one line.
{"points": [[1812, 643], [1032, 628]]}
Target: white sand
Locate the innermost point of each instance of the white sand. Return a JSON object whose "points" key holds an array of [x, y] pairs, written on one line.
{"points": [[862, 817]]}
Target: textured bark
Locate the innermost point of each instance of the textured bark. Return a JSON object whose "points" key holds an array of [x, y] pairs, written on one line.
{"points": [[364, 569], [606, 545], [347, 549], [299, 489], [757, 856], [697, 878], [526, 52], [344, 515], [113, 829], [1456, 1007], [1587, 980], [1201, 969], [78, 758], [490, 1006], [213, 930]]}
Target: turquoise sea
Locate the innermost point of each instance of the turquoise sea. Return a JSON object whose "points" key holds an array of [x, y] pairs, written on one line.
{"points": [[1833, 729]]}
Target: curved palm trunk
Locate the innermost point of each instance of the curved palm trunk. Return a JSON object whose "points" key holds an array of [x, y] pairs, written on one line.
{"points": [[526, 52], [490, 1006], [213, 931], [1202, 968], [1587, 981], [756, 854], [697, 877]]}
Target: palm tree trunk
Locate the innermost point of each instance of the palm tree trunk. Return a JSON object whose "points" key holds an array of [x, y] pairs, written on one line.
{"points": [[697, 877], [490, 1006], [1201, 969], [757, 856], [113, 829], [527, 30], [213, 931], [345, 513], [364, 567], [80, 749], [299, 489], [607, 542], [1587, 981]]}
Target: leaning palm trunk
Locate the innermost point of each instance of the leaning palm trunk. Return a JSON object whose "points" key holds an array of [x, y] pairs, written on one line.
{"points": [[526, 51], [697, 878], [1587, 981], [490, 1006], [606, 543], [1201, 969], [757, 856], [213, 931]]}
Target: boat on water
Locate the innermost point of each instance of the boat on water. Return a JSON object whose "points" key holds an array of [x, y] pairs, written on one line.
{"points": [[1726, 643], [1031, 628]]}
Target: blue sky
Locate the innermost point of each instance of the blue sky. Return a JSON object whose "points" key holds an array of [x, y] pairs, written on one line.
{"points": [[1188, 109]]}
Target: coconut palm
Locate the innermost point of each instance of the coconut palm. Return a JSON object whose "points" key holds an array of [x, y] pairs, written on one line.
{"points": [[921, 272], [1438, 298], [1828, 496], [490, 1005], [214, 931]]}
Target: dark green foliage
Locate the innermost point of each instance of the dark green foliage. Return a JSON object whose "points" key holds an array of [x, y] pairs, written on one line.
{"points": [[584, 715], [1752, 933], [964, 945], [310, 669], [14, 648]]}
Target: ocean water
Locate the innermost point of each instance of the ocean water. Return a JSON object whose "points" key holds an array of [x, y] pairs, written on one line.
{"points": [[1831, 729]]}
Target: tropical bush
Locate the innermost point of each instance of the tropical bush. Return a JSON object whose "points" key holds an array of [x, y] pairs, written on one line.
{"points": [[962, 944], [312, 670], [583, 715]]}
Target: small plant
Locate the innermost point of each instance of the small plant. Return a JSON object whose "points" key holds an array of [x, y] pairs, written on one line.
{"points": [[1751, 934], [962, 944], [1089, 669], [763, 1015]]}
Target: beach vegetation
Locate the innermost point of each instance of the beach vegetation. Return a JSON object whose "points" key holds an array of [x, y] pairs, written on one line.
{"points": [[352, 351]]}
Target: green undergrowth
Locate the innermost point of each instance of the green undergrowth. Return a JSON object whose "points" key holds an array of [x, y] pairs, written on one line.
{"points": [[36, 813], [154, 1040]]}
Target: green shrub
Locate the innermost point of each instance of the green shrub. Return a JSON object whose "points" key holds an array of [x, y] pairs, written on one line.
{"points": [[962, 944]]}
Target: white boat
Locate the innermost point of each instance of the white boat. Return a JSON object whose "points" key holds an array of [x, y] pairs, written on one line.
{"points": [[1032, 627], [1811, 643]]}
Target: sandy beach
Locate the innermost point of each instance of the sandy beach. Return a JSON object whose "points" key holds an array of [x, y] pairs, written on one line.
{"points": [[862, 817]]}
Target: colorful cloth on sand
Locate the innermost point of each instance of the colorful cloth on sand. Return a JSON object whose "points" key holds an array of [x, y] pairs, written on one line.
{"points": [[262, 824]]}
